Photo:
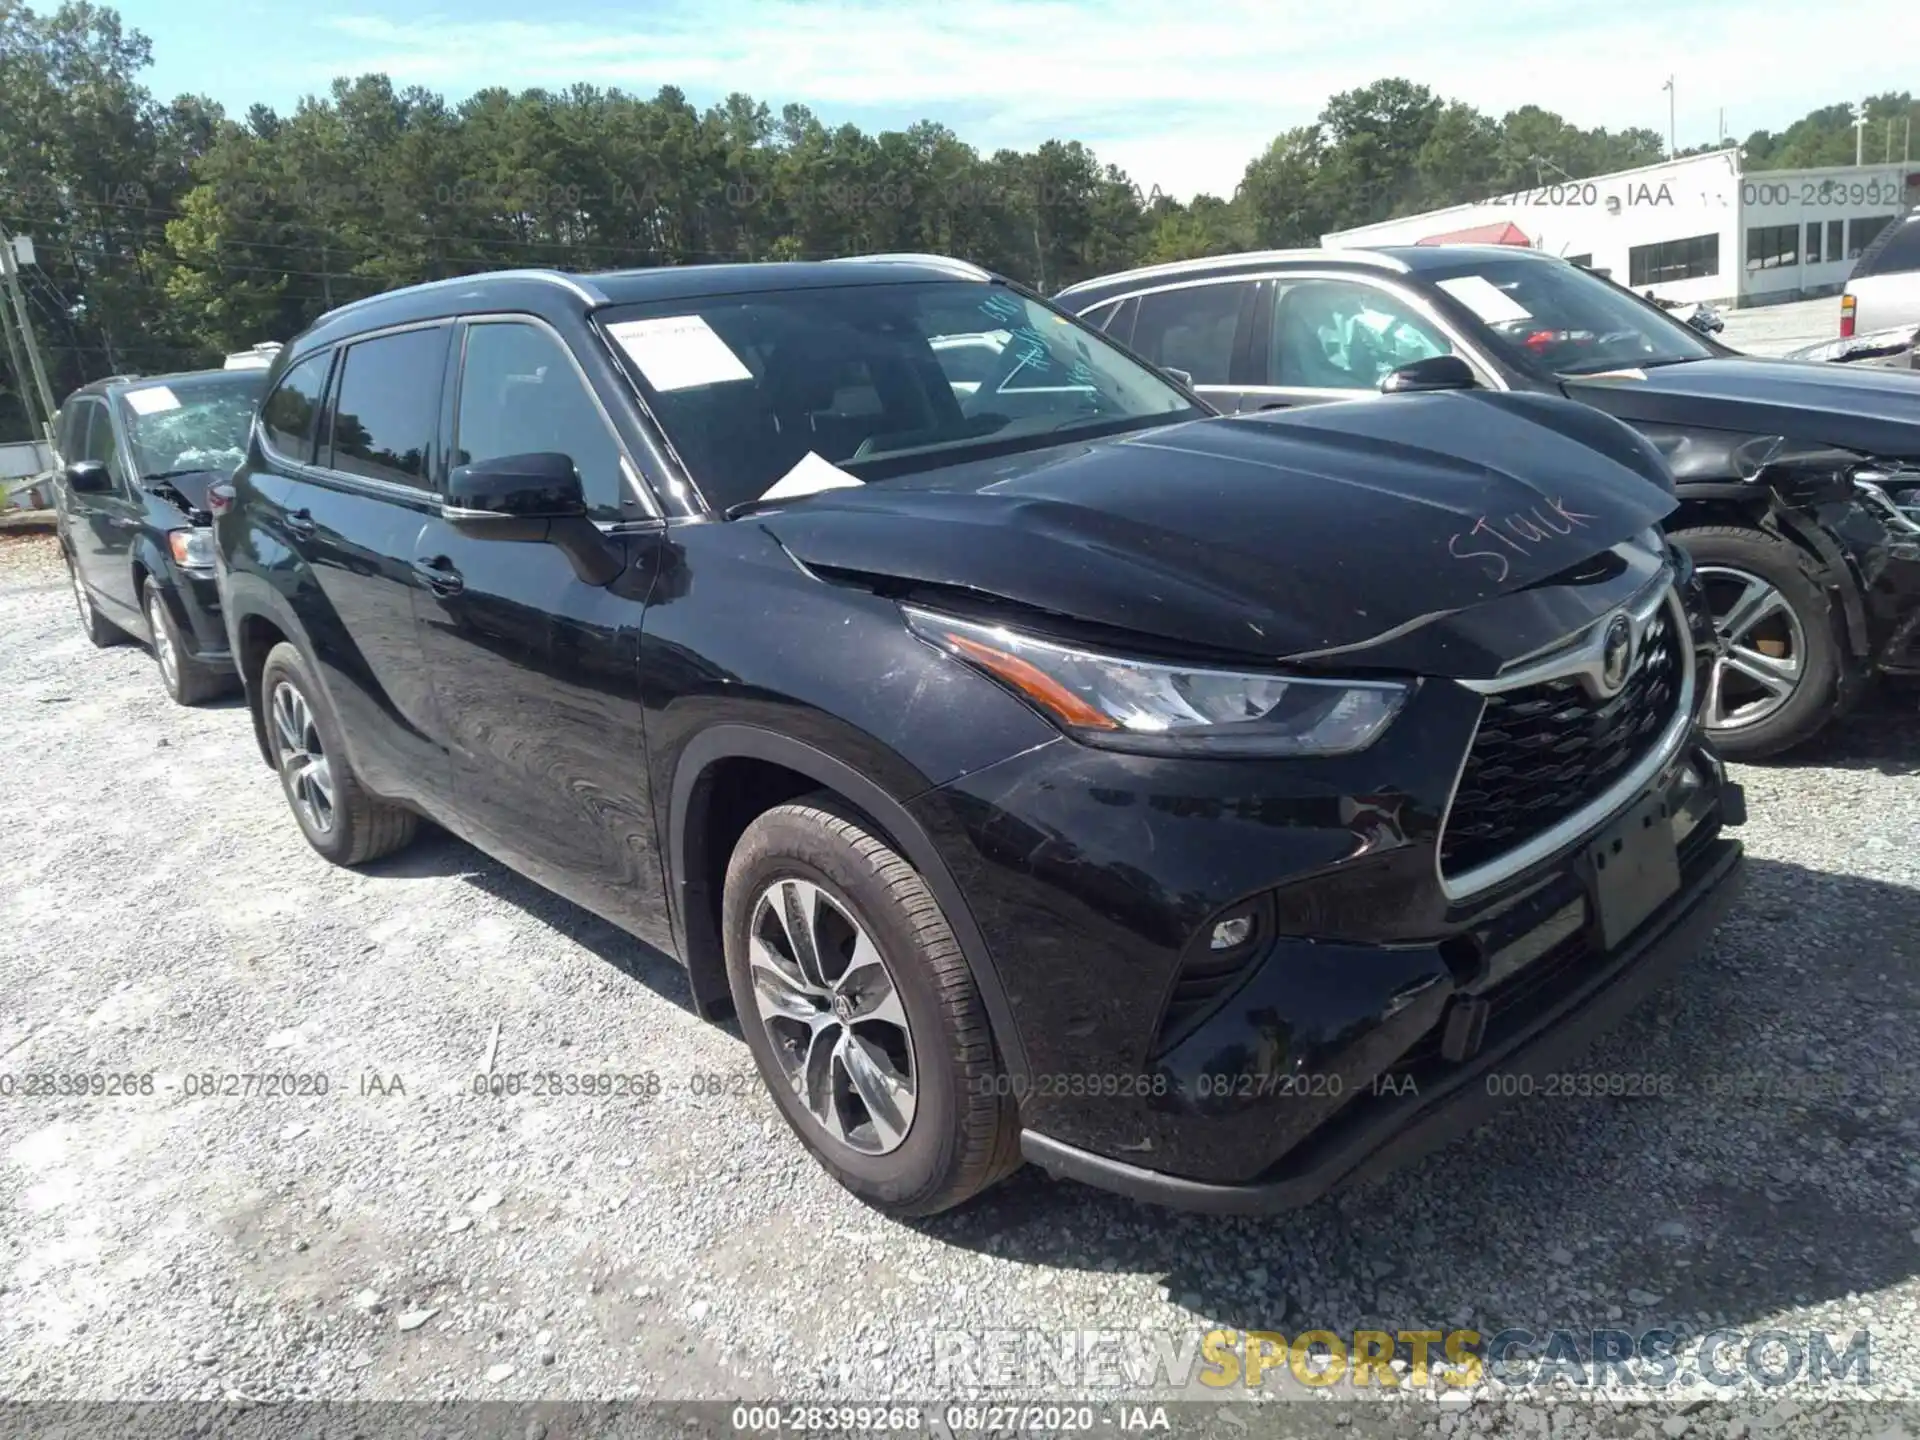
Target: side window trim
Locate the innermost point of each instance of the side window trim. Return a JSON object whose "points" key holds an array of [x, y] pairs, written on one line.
{"points": [[634, 486]]}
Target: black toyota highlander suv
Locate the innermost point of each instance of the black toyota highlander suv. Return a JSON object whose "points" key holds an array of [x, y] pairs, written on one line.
{"points": [[1799, 484], [1212, 809]]}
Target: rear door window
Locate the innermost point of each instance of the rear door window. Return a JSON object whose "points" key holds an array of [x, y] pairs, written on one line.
{"points": [[385, 404], [1193, 328]]}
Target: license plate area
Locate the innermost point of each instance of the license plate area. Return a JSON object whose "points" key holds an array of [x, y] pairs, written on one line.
{"points": [[1635, 867]]}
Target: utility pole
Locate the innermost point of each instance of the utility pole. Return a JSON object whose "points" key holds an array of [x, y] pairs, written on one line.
{"points": [[10, 272], [1860, 136], [1673, 132]]}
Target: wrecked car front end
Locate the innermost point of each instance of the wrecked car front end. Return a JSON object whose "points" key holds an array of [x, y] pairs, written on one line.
{"points": [[1253, 961], [1857, 514]]}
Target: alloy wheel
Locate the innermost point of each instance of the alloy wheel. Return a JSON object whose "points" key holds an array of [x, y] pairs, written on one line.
{"points": [[830, 1006], [163, 649], [1762, 648], [303, 758]]}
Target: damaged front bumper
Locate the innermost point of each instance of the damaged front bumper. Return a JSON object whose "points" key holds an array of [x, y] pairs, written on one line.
{"points": [[1449, 1041], [1881, 532]]}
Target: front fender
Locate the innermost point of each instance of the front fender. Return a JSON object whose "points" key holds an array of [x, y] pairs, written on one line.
{"points": [[150, 559], [693, 901]]}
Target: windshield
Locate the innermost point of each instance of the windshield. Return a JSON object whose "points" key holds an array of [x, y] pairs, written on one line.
{"points": [[876, 380], [196, 422], [1565, 320]]}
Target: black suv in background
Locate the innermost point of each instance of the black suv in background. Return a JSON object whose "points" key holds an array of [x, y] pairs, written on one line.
{"points": [[137, 456], [1036, 764], [1799, 484]]}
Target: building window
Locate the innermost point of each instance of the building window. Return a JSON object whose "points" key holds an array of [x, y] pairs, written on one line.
{"points": [[1687, 259], [1862, 233], [1770, 247], [1813, 242], [1836, 239]]}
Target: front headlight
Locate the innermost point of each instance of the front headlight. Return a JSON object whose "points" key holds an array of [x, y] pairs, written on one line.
{"points": [[192, 548], [1143, 705]]}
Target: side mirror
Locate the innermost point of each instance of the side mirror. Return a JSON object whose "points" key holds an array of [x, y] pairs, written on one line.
{"points": [[88, 477], [541, 486], [1179, 377], [1436, 372], [536, 498]]}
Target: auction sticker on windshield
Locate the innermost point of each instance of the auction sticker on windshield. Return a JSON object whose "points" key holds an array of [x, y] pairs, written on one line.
{"points": [[678, 352], [152, 401], [1485, 299]]}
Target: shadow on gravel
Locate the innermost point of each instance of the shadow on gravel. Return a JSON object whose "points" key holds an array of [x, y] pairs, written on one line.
{"points": [[437, 853], [1883, 734], [1780, 1171]]}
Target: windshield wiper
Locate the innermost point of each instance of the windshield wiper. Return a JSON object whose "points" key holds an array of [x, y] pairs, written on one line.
{"points": [[748, 507]]}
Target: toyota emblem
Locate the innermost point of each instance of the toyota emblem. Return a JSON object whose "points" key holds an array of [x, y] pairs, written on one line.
{"points": [[1616, 655]]}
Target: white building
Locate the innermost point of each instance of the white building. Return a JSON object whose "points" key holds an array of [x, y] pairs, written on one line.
{"points": [[1692, 229]]}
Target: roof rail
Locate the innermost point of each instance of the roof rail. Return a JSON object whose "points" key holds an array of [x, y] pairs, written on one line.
{"points": [[1245, 257], [904, 257], [589, 293]]}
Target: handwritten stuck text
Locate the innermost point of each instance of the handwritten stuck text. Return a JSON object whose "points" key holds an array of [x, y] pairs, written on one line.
{"points": [[1521, 533]]}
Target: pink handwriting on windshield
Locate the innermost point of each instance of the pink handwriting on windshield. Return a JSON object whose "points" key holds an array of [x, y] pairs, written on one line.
{"points": [[1521, 533]]}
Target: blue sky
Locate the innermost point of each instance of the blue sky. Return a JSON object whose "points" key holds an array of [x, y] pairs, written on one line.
{"points": [[1180, 95]]}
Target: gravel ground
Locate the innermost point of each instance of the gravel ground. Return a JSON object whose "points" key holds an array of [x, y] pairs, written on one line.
{"points": [[400, 1237]]}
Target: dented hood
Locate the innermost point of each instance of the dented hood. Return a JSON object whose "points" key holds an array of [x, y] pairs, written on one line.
{"points": [[1275, 535], [186, 488]]}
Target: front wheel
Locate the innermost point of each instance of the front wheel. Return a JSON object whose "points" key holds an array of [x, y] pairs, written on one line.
{"points": [[862, 1014], [185, 678], [339, 818], [1775, 682]]}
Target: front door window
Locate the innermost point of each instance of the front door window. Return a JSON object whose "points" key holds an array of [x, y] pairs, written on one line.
{"points": [[1345, 335]]}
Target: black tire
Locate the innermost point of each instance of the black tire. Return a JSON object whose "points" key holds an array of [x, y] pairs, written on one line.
{"points": [[1814, 701], [355, 827], [99, 631], [184, 678], [964, 1132]]}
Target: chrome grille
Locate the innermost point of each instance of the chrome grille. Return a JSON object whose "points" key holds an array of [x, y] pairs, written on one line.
{"points": [[1546, 750]]}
